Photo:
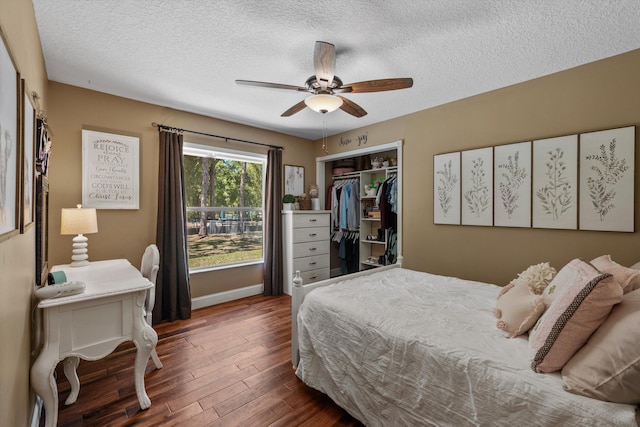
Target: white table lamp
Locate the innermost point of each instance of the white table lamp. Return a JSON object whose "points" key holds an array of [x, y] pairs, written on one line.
{"points": [[79, 221]]}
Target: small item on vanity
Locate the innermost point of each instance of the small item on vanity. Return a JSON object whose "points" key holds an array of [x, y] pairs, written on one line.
{"points": [[376, 162], [385, 164], [56, 277], [315, 204]]}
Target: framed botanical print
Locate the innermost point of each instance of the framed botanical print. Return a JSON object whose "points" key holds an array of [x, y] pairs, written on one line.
{"points": [[9, 146], [477, 186], [28, 162], [512, 185], [446, 188], [607, 180], [555, 182], [293, 180]]}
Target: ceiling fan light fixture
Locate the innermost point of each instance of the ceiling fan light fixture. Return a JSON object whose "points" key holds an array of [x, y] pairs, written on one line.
{"points": [[323, 103]]}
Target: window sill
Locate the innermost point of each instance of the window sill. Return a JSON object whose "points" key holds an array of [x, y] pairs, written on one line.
{"points": [[225, 266]]}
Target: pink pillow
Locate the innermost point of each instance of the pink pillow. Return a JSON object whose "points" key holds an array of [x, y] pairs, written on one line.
{"points": [[517, 309], [583, 304], [607, 367], [623, 275]]}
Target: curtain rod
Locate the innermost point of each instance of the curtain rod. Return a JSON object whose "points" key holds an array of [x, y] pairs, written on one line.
{"points": [[226, 138]]}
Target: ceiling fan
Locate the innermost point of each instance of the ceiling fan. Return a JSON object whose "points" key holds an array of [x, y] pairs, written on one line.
{"points": [[324, 86]]}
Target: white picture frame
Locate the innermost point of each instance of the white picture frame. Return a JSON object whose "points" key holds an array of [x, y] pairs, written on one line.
{"points": [[477, 186], [293, 180], [512, 185], [110, 170], [446, 188], [555, 183], [607, 162], [28, 163]]}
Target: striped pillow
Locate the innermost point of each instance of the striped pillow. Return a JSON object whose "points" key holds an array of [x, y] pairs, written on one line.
{"points": [[584, 302]]}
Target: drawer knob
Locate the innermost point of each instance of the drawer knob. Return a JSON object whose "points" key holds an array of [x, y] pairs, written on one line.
{"points": [[313, 263], [312, 220], [312, 277], [312, 249], [312, 234]]}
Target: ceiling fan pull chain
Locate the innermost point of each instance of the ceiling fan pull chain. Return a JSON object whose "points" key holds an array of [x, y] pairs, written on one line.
{"points": [[324, 135]]}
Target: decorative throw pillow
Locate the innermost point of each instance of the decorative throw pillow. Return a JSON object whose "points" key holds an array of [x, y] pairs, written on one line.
{"points": [[577, 310], [623, 275], [607, 367], [537, 277], [517, 309]]}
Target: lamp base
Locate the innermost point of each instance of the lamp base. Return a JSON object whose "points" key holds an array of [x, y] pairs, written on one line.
{"points": [[79, 257]]}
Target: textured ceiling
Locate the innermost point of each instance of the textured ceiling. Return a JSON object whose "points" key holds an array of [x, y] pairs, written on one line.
{"points": [[186, 54]]}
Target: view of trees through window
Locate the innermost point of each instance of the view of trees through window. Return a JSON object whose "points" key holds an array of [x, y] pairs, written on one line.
{"points": [[224, 208]]}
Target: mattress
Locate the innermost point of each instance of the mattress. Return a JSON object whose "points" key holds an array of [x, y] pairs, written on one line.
{"points": [[406, 348]]}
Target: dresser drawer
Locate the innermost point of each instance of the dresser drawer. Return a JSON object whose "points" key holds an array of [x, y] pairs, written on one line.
{"points": [[314, 275], [310, 234], [310, 248], [313, 262], [310, 220]]}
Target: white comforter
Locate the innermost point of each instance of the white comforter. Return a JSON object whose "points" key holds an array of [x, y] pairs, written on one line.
{"points": [[405, 348]]}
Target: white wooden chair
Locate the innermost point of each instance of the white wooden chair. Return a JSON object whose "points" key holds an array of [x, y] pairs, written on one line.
{"points": [[149, 269]]}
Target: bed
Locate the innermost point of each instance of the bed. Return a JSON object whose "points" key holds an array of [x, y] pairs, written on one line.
{"points": [[396, 347]]}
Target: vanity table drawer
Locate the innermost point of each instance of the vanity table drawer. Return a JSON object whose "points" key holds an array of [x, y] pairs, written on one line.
{"points": [[310, 234], [313, 262], [310, 248], [311, 220]]}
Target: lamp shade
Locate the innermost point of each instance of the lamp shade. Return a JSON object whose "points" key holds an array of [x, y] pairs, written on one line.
{"points": [[323, 103], [78, 221]]}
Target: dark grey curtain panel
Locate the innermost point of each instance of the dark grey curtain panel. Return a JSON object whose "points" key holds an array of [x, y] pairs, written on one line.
{"points": [[173, 293], [273, 268]]}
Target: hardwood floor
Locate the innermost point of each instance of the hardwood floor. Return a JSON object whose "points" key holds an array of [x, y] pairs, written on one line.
{"points": [[229, 365]]}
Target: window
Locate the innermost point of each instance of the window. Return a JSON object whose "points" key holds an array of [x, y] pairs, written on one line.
{"points": [[224, 194]]}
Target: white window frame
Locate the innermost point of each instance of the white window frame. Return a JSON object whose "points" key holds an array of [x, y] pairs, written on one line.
{"points": [[202, 150]]}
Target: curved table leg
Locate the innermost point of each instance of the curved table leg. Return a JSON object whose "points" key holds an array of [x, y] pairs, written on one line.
{"points": [[145, 339], [44, 384], [70, 365]]}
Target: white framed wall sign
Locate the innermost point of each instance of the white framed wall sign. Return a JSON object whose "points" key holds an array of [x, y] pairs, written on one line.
{"points": [[477, 187], [607, 180], [446, 188], [512, 185], [110, 171], [555, 182]]}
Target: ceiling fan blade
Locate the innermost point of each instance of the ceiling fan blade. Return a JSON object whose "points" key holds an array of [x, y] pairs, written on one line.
{"points": [[324, 60], [376, 85], [271, 85], [351, 107], [296, 108]]}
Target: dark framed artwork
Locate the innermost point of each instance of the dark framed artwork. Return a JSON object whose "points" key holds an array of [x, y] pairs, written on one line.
{"points": [[607, 180], [9, 145], [28, 161], [476, 181], [555, 183], [446, 188], [512, 185]]}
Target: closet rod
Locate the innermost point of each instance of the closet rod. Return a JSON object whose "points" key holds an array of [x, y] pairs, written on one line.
{"points": [[226, 138]]}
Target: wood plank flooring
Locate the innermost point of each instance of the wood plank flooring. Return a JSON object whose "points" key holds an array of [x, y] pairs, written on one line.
{"points": [[229, 365]]}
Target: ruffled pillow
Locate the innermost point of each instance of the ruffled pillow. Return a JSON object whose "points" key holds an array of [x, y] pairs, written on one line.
{"points": [[537, 277], [517, 309]]}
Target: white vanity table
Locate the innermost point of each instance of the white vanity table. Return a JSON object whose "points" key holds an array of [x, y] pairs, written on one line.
{"points": [[90, 326]]}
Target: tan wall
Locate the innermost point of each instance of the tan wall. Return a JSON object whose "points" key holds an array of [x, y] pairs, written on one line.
{"points": [[595, 96], [125, 233], [17, 254]]}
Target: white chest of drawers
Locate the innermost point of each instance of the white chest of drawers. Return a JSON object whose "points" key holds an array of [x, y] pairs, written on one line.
{"points": [[306, 236]]}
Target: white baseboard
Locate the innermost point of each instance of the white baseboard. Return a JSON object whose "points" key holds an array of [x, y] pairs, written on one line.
{"points": [[220, 297]]}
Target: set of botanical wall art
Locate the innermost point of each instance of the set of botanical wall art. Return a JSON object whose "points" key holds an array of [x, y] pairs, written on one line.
{"points": [[583, 181]]}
